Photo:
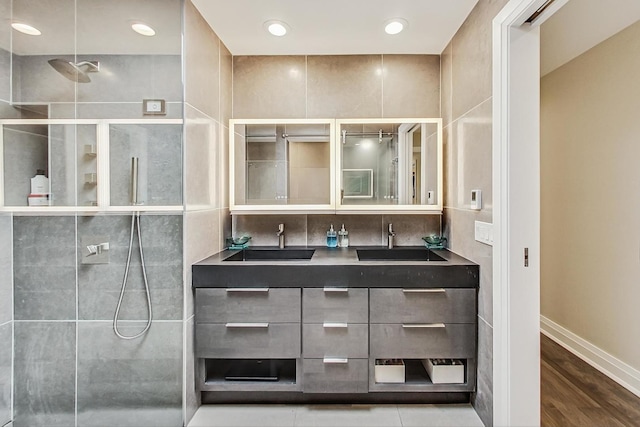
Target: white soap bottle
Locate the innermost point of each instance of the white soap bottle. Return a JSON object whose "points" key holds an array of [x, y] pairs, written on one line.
{"points": [[343, 238], [40, 183]]}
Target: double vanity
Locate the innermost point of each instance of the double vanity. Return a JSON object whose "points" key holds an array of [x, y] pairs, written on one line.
{"points": [[329, 324]]}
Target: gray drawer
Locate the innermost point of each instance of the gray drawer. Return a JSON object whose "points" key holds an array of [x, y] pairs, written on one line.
{"points": [[390, 341], [320, 340], [423, 305], [335, 305], [275, 341], [347, 376], [218, 305]]}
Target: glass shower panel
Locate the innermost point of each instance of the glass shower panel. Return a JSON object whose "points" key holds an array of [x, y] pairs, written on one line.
{"points": [[37, 86], [131, 67], [159, 150], [73, 174], [25, 151]]}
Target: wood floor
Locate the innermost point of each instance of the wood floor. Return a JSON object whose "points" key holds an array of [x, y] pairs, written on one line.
{"points": [[575, 394]]}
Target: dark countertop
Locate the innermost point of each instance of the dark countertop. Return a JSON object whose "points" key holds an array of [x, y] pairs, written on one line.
{"points": [[335, 267]]}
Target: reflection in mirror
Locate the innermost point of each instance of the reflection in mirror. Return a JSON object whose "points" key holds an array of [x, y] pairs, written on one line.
{"points": [[390, 163], [282, 163], [89, 62]]}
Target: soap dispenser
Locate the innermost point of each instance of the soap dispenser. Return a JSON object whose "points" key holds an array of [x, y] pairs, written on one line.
{"points": [[343, 238], [332, 238]]}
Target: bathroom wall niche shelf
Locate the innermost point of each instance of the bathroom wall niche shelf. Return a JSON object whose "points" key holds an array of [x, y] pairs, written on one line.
{"points": [[72, 145]]}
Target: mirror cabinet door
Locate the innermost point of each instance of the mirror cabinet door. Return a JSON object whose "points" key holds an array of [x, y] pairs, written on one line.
{"points": [[283, 164], [390, 164]]}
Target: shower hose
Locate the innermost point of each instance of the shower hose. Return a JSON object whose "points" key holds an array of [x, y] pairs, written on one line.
{"points": [[135, 223]]}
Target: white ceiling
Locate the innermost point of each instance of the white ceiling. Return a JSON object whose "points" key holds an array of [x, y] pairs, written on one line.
{"points": [[580, 25], [335, 27]]}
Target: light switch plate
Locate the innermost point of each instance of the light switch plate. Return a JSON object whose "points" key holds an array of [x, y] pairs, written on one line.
{"points": [[484, 232]]}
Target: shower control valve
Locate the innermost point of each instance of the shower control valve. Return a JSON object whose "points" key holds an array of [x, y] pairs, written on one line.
{"points": [[97, 249]]}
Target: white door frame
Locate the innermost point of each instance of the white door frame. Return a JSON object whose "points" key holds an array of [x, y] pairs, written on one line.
{"points": [[516, 213]]}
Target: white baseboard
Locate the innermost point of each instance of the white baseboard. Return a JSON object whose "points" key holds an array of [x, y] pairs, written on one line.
{"points": [[625, 375]]}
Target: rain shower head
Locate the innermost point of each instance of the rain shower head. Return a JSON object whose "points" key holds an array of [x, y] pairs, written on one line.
{"points": [[75, 72]]}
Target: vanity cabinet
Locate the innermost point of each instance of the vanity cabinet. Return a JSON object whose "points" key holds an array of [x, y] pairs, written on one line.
{"points": [[335, 342], [328, 340], [248, 338], [417, 324]]}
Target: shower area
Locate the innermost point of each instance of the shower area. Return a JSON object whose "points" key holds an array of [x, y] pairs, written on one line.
{"points": [[77, 104]]}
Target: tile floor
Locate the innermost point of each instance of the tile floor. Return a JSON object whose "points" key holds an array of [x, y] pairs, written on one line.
{"points": [[335, 415]]}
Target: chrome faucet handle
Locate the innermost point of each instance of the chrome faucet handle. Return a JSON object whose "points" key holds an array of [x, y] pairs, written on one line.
{"points": [[280, 235], [390, 236], [391, 232]]}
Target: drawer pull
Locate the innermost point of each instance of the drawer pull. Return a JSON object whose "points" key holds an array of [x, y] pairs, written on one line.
{"points": [[247, 325], [335, 360], [425, 291], [334, 325], [330, 289], [247, 289], [422, 325]]}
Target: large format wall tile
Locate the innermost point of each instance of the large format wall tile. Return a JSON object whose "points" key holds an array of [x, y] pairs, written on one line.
{"points": [[483, 398], [6, 350], [25, 151], [269, 87], [226, 85], [5, 61], [411, 86], [129, 383], [44, 268], [263, 229], [472, 58], [344, 86], [45, 374], [99, 284], [364, 230], [445, 84], [6, 282], [202, 60], [193, 399], [159, 150], [202, 149], [469, 158]]}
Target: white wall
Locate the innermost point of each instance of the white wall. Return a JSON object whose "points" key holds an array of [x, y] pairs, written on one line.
{"points": [[590, 183]]}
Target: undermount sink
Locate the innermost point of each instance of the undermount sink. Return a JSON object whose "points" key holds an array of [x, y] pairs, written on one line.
{"points": [[272, 255], [398, 254]]}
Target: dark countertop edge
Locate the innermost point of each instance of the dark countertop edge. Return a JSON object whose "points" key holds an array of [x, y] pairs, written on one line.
{"points": [[333, 256], [335, 268]]}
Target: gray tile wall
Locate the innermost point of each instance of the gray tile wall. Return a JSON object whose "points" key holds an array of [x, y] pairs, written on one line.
{"points": [[311, 230], [6, 386], [118, 382], [159, 149], [467, 114], [6, 319], [122, 78], [44, 265], [5, 62], [129, 383], [45, 374]]}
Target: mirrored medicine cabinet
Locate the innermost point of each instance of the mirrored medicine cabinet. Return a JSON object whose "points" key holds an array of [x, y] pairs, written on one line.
{"points": [[327, 165]]}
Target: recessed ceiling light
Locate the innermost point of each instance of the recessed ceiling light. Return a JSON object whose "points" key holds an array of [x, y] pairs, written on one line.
{"points": [[143, 29], [395, 25], [277, 28], [26, 29]]}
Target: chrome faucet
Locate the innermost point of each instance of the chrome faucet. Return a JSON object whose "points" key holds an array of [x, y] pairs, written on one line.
{"points": [[390, 236], [280, 235]]}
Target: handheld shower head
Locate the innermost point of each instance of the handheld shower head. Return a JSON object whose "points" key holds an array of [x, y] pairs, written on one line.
{"points": [[134, 181], [75, 72]]}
